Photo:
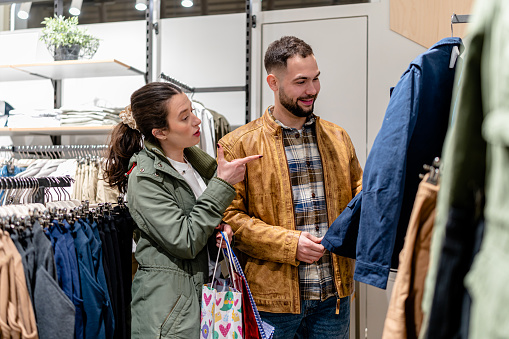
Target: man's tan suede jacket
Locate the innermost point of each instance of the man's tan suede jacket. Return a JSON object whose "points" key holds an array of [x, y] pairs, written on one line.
{"points": [[262, 213]]}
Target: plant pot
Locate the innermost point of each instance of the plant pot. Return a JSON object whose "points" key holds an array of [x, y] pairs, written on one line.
{"points": [[67, 52]]}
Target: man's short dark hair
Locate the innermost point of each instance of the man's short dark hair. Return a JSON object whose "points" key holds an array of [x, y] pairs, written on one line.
{"points": [[281, 50]]}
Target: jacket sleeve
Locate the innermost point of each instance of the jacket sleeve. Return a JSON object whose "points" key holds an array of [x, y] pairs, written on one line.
{"points": [[341, 237], [383, 183], [158, 214], [255, 237]]}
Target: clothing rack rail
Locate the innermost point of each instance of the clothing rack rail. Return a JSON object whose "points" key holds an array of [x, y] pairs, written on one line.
{"points": [[191, 89], [56, 151], [39, 184], [459, 19]]}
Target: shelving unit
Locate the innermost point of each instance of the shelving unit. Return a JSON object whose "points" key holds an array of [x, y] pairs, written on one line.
{"points": [[57, 71], [68, 69], [9, 73]]}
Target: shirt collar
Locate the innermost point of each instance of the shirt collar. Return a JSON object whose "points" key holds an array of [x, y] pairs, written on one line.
{"points": [[310, 120]]}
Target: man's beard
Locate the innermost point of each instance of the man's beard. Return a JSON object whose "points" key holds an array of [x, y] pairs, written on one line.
{"points": [[293, 107]]}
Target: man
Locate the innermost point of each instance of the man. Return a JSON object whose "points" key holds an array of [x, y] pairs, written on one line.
{"points": [[308, 174]]}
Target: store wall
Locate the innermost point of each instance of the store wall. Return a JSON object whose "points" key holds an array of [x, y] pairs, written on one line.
{"points": [[208, 51]]}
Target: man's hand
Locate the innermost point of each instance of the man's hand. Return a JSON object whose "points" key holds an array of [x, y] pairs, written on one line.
{"points": [[309, 248]]}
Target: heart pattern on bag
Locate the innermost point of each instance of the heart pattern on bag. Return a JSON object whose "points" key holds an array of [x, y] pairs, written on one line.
{"points": [[218, 301], [240, 330], [236, 302], [224, 330], [207, 300]]}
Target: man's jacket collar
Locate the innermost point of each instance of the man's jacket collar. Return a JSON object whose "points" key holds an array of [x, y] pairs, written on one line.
{"points": [[273, 126]]}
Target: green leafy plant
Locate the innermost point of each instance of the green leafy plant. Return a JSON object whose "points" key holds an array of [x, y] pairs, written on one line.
{"points": [[60, 33]]}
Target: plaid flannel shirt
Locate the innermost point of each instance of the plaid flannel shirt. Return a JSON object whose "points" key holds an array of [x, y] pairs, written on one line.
{"points": [[306, 175]]}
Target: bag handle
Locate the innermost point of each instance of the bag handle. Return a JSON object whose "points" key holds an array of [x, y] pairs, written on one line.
{"points": [[215, 266], [229, 254]]}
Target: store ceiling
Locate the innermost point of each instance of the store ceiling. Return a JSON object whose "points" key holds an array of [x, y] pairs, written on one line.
{"points": [[95, 11]]}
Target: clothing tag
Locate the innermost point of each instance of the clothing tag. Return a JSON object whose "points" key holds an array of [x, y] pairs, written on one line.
{"points": [[454, 56], [224, 269]]}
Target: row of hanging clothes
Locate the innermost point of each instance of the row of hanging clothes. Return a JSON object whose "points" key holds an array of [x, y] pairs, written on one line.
{"points": [[65, 265], [446, 234], [83, 163]]}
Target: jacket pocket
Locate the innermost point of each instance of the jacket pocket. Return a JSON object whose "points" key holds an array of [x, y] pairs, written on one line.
{"points": [[169, 321]]}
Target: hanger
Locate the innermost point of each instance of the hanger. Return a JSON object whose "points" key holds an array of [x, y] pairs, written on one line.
{"points": [[456, 19], [433, 170]]}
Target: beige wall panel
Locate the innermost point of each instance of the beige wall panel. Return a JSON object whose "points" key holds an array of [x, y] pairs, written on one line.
{"points": [[427, 21]]}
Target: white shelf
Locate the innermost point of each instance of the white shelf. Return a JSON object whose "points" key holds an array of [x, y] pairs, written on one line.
{"points": [[63, 130], [8, 73], [68, 69]]}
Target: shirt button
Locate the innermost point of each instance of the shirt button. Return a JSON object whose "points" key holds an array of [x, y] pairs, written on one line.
{"points": [[160, 165], [308, 163], [317, 228], [142, 170], [313, 195], [297, 135]]}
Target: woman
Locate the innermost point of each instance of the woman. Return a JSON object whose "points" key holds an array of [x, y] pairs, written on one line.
{"points": [[176, 199]]}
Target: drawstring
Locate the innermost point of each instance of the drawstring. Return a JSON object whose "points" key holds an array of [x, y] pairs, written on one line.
{"points": [[132, 167]]}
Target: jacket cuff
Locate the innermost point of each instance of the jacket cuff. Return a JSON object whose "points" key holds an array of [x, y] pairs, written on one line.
{"points": [[292, 242], [226, 182], [371, 274]]}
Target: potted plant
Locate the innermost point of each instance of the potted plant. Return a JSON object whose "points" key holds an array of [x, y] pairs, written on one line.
{"points": [[65, 41]]}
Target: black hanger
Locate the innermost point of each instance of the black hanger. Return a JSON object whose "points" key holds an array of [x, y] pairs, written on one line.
{"points": [[433, 170]]}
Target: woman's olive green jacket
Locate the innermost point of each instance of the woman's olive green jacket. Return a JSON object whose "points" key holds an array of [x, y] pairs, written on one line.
{"points": [[172, 251]]}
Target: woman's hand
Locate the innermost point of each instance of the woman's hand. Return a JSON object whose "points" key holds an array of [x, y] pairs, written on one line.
{"points": [[227, 230], [232, 172]]}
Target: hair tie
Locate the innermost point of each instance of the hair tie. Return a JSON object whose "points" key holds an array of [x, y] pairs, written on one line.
{"points": [[127, 118]]}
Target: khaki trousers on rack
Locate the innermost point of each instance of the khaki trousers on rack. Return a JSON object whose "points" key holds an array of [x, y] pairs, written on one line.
{"points": [[404, 316], [17, 318]]}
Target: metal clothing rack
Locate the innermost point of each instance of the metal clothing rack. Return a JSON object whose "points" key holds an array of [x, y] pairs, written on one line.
{"points": [[190, 89], [56, 151], [152, 25], [152, 18], [39, 184], [458, 19]]}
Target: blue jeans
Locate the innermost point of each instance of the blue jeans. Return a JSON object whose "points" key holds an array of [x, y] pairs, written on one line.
{"points": [[316, 320]]}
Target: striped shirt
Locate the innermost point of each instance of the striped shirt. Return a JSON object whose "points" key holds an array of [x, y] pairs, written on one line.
{"points": [[306, 175]]}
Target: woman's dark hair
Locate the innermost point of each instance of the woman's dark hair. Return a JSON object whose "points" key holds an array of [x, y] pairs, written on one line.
{"points": [[149, 109]]}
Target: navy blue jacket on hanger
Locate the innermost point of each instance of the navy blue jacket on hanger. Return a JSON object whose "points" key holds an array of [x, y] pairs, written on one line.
{"points": [[373, 226]]}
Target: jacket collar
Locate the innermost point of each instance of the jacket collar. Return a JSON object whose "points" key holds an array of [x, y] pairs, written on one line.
{"points": [[276, 128], [453, 41], [200, 160]]}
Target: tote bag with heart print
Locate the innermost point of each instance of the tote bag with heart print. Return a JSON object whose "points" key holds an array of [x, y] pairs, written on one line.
{"points": [[221, 312]]}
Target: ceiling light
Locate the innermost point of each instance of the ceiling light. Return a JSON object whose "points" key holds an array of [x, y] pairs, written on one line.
{"points": [[187, 3], [24, 10], [141, 5], [75, 7]]}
